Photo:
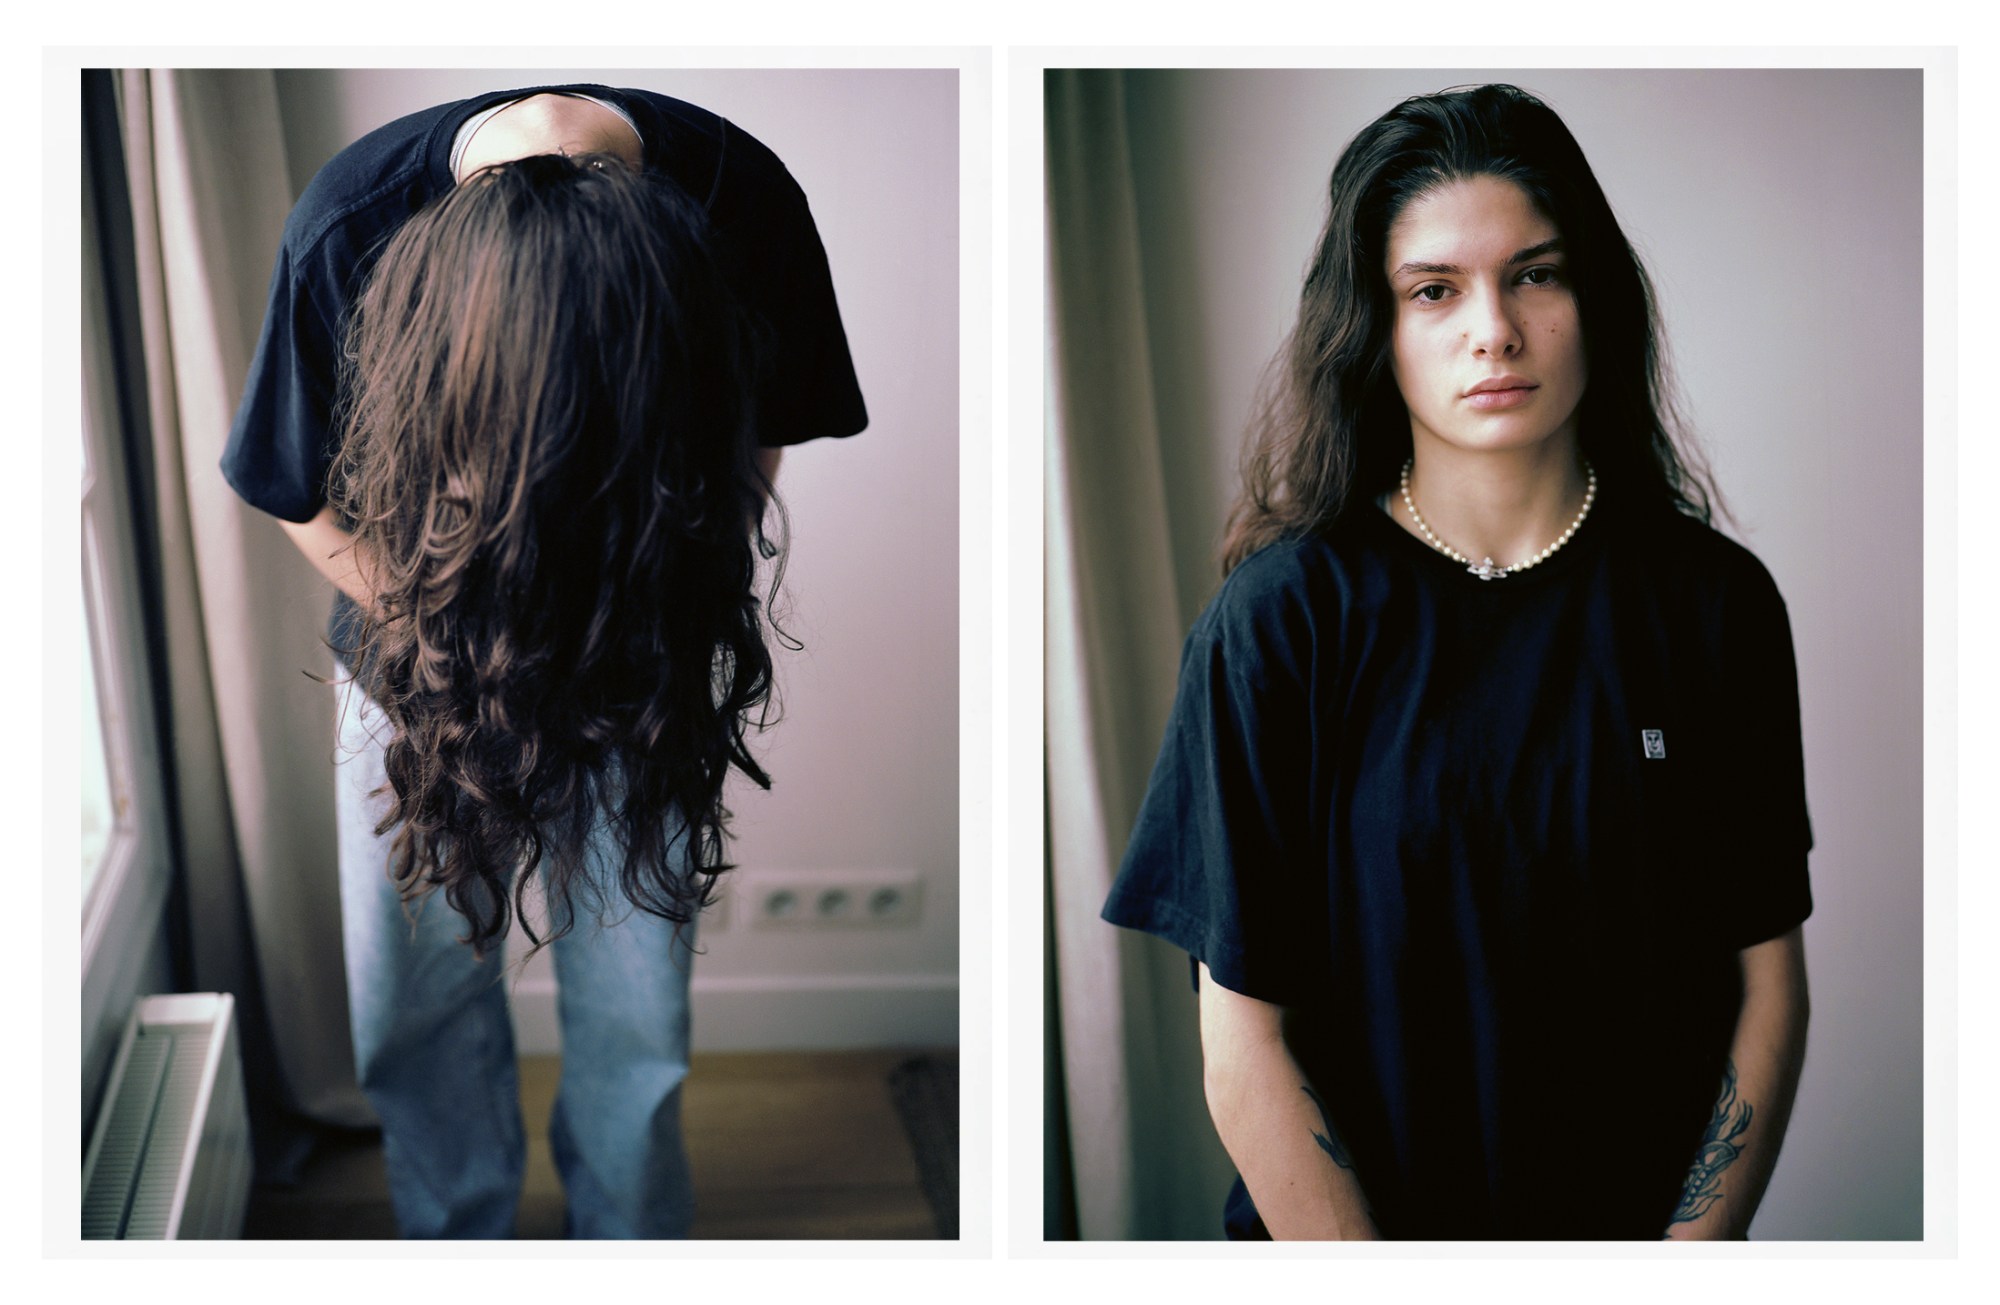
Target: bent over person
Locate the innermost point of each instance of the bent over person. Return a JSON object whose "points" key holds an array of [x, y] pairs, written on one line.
{"points": [[1481, 809], [526, 370]]}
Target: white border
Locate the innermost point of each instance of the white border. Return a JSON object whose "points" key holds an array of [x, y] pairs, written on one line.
{"points": [[1012, 565]]}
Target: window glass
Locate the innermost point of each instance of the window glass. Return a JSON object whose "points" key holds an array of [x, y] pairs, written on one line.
{"points": [[97, 805]]}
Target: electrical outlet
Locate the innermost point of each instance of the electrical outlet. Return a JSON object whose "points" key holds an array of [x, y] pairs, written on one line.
{"points": [[831, 899]]}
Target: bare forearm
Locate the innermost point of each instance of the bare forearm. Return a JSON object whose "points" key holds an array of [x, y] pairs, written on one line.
{"points": [[1740, 1148], [1275, 1126], [334, 553], [1292, 1158], [767, 468]]}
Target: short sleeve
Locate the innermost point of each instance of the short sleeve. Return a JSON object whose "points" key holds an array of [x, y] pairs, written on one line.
{"points": [[281, 443], [1219, 863], [1768, 832], [775, 260]]}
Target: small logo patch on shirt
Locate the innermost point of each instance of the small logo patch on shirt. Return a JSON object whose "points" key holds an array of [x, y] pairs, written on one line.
{"points": [[1656, 744]]}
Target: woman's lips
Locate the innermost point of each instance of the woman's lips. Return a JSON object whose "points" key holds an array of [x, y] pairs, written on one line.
{"points": [[1511, 397]]}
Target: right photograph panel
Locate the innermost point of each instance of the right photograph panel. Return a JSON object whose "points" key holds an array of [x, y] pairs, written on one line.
{"points": [[1484, 654]]}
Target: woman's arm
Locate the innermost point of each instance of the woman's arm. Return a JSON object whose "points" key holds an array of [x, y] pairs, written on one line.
{"points": [[767, 463], [1274, 1125], [334, 553], [1740, 1148]]}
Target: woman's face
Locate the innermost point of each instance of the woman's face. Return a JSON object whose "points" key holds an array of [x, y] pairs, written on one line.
{"points": [[1488, 349]]}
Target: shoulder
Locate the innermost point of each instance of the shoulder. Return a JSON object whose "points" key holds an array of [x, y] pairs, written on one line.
{"points": [[380, 177], [1707, 553], [1274, 578], [1288, 598], [1709, 570]]}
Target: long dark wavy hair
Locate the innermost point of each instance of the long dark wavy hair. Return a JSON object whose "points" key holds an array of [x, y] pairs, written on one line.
{"points": [[1332, 431], [548, 462]]}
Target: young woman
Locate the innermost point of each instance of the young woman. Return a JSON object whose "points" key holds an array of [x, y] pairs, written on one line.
{"points": [[527, 366], [1481, 810]]}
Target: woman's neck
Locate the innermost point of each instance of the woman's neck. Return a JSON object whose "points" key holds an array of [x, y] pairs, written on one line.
{"points": [[549, 123], [1504, 504]]}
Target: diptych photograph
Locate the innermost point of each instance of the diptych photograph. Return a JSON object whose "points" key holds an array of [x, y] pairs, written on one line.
{"points": [[548, 670]]}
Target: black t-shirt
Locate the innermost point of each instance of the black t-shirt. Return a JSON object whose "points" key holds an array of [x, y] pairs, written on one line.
{"points": [[283, 439], [1496, 846]]}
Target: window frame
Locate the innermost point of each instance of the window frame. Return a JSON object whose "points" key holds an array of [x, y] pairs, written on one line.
{"points": [[123, 913]]}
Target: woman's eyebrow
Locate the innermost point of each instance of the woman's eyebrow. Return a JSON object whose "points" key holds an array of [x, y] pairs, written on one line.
{"points": [[1552, 245]]}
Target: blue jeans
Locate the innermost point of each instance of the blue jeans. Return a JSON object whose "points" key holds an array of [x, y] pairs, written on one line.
{"points": [[434, 1046]]}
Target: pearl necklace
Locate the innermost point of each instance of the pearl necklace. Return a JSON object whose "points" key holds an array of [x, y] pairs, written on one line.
{"points": [[1484, 568]]}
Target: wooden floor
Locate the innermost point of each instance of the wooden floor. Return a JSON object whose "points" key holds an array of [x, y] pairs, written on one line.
{"points": [[803, 1145]]}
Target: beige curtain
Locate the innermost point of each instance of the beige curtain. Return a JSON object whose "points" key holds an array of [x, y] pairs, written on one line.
{"points": [[1143, 1159], [252, 733]]}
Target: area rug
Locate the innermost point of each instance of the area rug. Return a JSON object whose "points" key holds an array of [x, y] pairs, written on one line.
{"points": [[925, 1090]]}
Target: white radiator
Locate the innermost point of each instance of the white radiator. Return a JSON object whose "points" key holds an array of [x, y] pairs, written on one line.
{"points": [[170, 1156]]}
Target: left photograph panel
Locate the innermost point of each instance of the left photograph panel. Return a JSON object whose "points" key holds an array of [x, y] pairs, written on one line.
{"points": [[520, 600]]}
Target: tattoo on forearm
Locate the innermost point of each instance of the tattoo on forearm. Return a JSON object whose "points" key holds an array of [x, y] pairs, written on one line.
{"points": [[1718, 1151], [1329, 1141]]}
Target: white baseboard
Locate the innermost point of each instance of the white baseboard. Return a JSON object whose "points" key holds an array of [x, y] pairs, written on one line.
{"points": [[795, 1013]]}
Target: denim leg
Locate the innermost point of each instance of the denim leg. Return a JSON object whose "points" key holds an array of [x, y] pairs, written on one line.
{"points": [[433, 1044], [616, 1131]]}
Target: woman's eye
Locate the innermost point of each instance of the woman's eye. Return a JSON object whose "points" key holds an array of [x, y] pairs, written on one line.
{"points": [[1541, 276], [1431, 294]]}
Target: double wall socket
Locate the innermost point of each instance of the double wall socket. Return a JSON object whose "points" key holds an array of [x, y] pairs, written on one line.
{"points": [[829, 899]]}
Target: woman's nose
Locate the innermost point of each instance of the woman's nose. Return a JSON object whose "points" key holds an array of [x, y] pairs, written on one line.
{"points": [[1491, 331]]}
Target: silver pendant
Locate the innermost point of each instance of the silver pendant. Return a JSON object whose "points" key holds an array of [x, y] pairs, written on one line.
{"points": [[1485, 570]]}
